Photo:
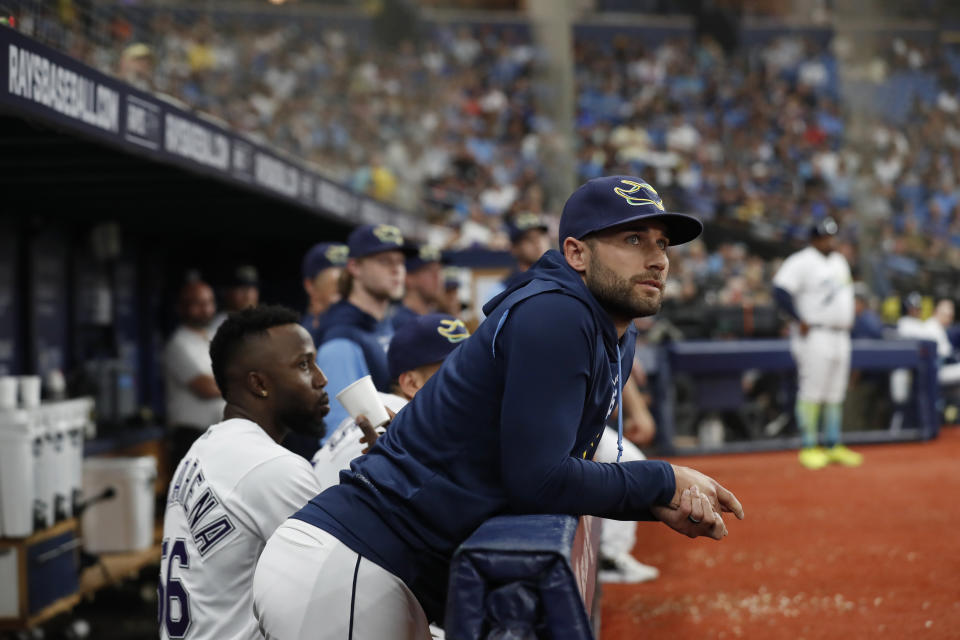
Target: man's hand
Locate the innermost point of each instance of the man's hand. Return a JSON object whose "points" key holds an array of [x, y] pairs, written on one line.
{"points": [[693, 517], [370, 434], [804, 328], [720, 498]]}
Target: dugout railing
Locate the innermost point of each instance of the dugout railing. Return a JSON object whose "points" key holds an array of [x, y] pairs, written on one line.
{"points": [[712, 377], [524, 577]]}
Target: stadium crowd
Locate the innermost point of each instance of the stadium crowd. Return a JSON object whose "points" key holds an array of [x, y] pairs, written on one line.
{"points": [[454, 127]]}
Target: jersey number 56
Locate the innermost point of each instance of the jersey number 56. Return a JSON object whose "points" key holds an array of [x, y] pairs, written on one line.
{"points": [[173, 601]]}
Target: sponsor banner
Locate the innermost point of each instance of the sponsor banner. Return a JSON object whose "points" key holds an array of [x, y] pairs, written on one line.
{"points": [[143, 122], [42, 84]]}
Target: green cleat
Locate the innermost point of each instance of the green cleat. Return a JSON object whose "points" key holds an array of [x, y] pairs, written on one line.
{"points": [[814, 458], [841, 455]]}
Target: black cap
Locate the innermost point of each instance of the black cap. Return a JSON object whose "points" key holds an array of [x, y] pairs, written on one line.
{"points": [[244, 276], [825, 227]]}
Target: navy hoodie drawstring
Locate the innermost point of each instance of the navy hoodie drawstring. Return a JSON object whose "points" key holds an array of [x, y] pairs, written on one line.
{"points": [[619, 408]]}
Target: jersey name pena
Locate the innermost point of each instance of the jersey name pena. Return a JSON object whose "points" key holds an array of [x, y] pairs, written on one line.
{"points": [[821, 286], [232, 490], [206, 519]]}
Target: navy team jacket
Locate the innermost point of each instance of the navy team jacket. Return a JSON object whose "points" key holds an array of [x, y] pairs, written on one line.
{"points": [[344, 320], [509, 424]]}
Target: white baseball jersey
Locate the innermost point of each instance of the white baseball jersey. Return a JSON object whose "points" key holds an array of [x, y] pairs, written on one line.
{"points": [[231, 491], [822, 291], [344, 445], [821, 286]]}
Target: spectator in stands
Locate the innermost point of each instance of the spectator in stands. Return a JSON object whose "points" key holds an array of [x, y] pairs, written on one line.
{"points": [[911, 324], [354, 333], [423, 286], [867, 322], [240, 291], [322, 267], [236, 484], [193, 398], [136, 66]]}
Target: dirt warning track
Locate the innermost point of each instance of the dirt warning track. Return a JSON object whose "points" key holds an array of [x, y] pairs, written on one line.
{"points": [[870, 552]]}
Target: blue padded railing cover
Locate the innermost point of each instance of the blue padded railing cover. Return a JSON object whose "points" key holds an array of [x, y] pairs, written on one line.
{"points": [[524, 577]]}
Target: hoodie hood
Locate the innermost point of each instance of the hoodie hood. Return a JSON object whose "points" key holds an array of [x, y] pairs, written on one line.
{"points": [[344, 313], [552, 267]]}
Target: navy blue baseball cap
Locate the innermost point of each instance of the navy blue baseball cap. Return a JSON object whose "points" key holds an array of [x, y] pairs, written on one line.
{"points": [[451, 278], [610, 201], [424, 255], [425, 340], [520, 224], [369, 239], [323, 256]]}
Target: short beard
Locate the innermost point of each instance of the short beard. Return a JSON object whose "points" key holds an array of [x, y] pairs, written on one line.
{"points": [[304, 424], [617, 295]]}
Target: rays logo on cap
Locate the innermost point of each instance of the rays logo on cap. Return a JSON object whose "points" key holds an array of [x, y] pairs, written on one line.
{"points": [[388, 234], [634, 201], [429, 254], [453, 330], [337, 254], [526, 221]]}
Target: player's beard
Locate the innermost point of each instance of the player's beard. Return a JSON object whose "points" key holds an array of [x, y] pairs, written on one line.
{"points": [[617, 294], [304, 423]]}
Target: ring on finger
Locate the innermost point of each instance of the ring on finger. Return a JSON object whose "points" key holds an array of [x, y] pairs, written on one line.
{"points": [[693, 520]]}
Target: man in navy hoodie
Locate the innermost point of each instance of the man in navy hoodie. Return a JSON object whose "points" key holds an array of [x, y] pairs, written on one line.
{"points": [[509, 424], [354, 333]]}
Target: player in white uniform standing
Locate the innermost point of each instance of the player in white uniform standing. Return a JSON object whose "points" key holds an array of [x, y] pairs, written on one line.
{"points": [[236, 484], [814, 286]]}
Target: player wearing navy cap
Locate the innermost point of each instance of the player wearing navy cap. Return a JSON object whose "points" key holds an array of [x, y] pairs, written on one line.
{"points": [[416, 351], [528, 241], [322, 266], [507, 425], [424, 286], [354, 333], [815, 288]]}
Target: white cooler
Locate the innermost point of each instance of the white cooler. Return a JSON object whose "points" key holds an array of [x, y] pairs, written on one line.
{"points": [[16, 473], [125, 521], [77, 415]]}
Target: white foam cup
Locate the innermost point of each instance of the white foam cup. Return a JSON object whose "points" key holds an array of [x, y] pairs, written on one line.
{"points": [[29, 392], [361, 397], [8, 392]]}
